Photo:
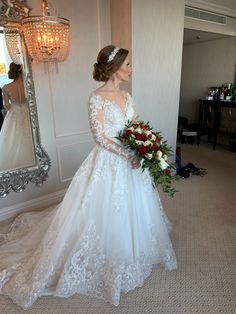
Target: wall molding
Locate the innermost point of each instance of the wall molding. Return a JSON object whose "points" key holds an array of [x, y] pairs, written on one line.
{"points": [[99, 23], [34, 204], [73, 134], [211, 7], [59, 159]]}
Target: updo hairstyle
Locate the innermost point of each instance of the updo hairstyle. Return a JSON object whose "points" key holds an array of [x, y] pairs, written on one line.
{"points": [[103, 69], [14, 71]]}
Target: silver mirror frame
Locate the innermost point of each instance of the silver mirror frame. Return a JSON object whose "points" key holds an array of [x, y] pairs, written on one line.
{"points": [[17, 179]]}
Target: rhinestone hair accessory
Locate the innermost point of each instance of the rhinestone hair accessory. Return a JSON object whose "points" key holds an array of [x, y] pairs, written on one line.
{"points": [[113, 54]]}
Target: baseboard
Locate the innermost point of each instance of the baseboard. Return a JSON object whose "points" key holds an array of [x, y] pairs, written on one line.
{"points": [[34, 204]]}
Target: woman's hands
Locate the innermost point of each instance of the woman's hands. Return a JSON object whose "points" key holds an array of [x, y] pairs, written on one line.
{"points": [[135, 163]]}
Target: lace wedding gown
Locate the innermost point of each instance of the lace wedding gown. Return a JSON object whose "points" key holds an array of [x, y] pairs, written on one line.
{"points": [[105, 235], [16, 144]]}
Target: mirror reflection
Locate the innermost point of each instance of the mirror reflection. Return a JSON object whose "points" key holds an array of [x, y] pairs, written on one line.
{"points": [[22, 156], [16, 140]]}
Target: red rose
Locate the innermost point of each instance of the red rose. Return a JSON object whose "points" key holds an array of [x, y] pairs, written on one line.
{"points": [[144, 137], [140, 137], [167, 171], [155, 148], [128, 132], [142, 150], [158, 139], [146, 127]]}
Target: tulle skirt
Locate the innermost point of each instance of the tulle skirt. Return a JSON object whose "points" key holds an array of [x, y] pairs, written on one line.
{"points": [[16, 143], [103, 239]]}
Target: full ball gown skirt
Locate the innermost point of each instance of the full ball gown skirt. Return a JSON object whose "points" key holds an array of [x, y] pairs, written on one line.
{"points": [[105, 235]]}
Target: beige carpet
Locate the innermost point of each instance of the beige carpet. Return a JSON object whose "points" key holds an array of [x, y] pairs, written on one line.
{"points": [[204, 237]]}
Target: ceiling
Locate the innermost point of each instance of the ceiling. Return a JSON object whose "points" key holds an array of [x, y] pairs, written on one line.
{"points": [[194, 36], [231, 4]]}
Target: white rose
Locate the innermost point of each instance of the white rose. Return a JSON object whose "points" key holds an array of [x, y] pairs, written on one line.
{"points": [[146, 143], [131, 128], [149, 156], [159, 155], [165, 157], [138, 142], [148, 132], [132, 135], [153, 137], [139, 130], [163, 164]]}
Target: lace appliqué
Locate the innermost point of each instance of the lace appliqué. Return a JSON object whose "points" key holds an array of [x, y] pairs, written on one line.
{"points": [[90, 271], [96, 120]]}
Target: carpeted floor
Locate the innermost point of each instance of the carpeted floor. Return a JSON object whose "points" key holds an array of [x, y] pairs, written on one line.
{"points": [[203, 214]]}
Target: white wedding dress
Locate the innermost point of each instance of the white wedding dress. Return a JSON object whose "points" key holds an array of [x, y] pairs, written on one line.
{"points": [[103, 238], [16, 143]]}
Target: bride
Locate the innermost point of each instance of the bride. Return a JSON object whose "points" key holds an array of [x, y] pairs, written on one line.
{"points": [[16, 144], [110, 228]]}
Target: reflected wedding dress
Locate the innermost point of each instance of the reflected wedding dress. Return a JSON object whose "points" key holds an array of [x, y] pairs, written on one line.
{"points": [[105, 235], [16, 145]]}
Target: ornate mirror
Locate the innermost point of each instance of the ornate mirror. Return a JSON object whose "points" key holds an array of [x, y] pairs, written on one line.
{"points": [[22, 157]]}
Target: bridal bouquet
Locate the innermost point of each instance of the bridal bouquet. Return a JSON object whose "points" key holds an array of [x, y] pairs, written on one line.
{"points": [[152, 151]]}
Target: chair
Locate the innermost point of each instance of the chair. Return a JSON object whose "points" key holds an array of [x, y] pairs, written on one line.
{"points": [[190, 135]]}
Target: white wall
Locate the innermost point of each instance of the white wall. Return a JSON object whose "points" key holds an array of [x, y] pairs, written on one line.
{"points": [[121, 32], [157, 40], [62, 97], [204, 65]]}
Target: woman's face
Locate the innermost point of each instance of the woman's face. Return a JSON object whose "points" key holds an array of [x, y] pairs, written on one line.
{"points": [[124, 72]]}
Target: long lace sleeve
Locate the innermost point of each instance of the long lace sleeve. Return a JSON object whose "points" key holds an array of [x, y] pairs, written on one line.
{"points": [[96, 121]]}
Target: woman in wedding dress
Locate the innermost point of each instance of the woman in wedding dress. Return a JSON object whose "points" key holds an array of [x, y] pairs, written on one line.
{"points": [[110, 228], [16, 145]]}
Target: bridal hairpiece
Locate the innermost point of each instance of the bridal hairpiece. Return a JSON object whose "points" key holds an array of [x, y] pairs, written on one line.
{"points": [[113, 54]]}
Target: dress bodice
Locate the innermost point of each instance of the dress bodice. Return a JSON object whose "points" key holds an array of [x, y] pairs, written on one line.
{"points": [[114, 117], [106, 119]]}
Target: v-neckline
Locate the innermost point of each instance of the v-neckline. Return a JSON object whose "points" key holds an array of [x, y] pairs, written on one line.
{"points": [[123, 112]]}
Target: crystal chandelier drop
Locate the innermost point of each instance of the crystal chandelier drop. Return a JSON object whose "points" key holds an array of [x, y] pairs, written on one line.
{"points": [[13, 43], [47, 37]]}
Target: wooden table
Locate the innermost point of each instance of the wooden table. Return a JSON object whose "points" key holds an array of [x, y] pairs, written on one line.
{"points": [[210, 112]]}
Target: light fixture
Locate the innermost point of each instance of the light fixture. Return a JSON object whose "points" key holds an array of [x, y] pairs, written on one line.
{"points": [[13, 43], [47, 37]]}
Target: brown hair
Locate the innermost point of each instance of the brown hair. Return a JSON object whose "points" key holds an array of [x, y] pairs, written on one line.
{"points": [[103, 69], [14, 71]]}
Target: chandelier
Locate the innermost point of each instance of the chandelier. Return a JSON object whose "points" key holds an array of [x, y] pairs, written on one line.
{"points": [[47, 37], [13, 43]]}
